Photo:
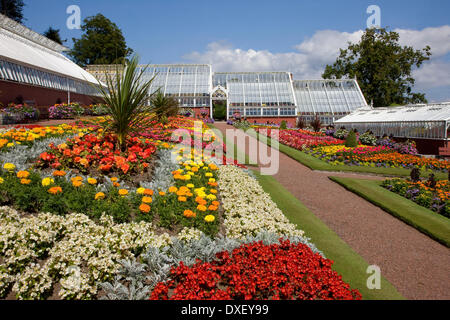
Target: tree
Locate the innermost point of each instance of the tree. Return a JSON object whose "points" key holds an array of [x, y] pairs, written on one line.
{"points": [[125, 100], [382, 66], [164, 106], [12, 9], [53, 34], [102, 42]]}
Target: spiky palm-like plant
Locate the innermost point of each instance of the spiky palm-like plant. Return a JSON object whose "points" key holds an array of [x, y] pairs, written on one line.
{"points": [[125, 99], [164, 106]]}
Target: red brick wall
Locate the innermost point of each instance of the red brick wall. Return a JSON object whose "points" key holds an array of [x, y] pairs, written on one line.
{"points": [[292, 121], [426, 146], [9, 91]]}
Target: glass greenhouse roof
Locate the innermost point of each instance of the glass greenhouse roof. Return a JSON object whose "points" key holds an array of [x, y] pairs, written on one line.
{"points": [[257, 89], [334, 97], [412, 113], [429, 121], [28, 57]]}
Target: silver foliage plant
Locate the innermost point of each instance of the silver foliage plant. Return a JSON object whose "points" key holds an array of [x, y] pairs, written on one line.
{"points": [[138, 277], [22, 156], [162, 176]]}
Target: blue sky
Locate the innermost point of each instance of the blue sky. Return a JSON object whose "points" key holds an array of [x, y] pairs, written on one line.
{"points": [[297, 36]]}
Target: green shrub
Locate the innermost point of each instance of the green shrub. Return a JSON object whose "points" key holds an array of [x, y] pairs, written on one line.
{"points": [[351, 142], [283, 125]]}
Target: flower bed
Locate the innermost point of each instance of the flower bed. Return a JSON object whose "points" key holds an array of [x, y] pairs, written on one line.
{"points": [[92, 153], [66, 111], [386, 154], [16, 113], [30, 134], [258, 272], [248, 209], [380, 156], [105, 227], [302, 139], [434, 196]]}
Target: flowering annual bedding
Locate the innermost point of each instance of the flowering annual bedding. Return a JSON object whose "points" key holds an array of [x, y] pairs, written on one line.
{"points": [[385, 154], [81, 217], [432, 194]]}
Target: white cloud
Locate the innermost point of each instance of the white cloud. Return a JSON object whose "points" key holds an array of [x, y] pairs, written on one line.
{"points": [[308, 59]]}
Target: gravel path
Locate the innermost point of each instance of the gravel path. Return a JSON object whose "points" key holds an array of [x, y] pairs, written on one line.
{"points": [[416, 265]]}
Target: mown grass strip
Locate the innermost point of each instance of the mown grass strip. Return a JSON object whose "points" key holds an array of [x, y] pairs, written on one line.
{"points": [[426, 221], [316, 164], [347, 262]]}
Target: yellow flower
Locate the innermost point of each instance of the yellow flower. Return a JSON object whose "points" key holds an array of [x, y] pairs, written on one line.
{"points": [[99, 195], [208, 175], [210, 218], [23, 174], [1, 180], [47, 181], [123, 192], [114, 179], [92, 181], [190, 185], [140, 191], [211, 197], [162, 193], [9, 166], [11, 144], [212, 180], [147, 200]]}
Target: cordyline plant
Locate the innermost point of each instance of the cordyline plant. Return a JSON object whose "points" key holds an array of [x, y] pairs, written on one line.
{"points": [[164, 106], [125, 99]]}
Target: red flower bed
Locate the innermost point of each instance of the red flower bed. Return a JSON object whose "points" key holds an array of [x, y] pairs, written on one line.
{"points": [[299, 139], [99, 153], [258, 272]]}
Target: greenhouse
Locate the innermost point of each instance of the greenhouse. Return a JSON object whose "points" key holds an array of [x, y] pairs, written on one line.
{"points": [[259, 95], [327, 99], [32, 65], [415, 121]]}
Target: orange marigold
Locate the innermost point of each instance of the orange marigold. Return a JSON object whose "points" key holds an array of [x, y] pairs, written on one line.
{"points": [[59, 173], [25, 181], [189, 214], [144, 208], [23, 174], [55, 190], [147, 199]]}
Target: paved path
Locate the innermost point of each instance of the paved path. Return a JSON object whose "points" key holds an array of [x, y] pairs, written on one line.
{"points": [[416, 265]]}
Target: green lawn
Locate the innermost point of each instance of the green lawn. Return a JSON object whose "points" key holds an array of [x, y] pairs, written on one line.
{"points": [[426, 221], [347, 262], [316, 164]]}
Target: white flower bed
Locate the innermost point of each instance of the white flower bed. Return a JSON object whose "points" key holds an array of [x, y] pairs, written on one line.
{"points": [[248, 209], [40, 251]]}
